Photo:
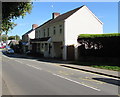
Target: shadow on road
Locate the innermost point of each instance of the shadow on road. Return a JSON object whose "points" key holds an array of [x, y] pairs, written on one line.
{"points": [[109, 80], [17, 56], [42, 59]]}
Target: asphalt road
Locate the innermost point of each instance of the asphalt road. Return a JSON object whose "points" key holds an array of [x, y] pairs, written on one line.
{"points": [[25, 76]]}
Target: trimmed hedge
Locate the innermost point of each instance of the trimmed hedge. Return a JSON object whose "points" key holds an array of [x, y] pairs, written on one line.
{"points": [[98, 35], [110, 45]]}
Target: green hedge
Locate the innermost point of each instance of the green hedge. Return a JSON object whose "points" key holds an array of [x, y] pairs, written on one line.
{"points": [[98, 35], [109, 42]]}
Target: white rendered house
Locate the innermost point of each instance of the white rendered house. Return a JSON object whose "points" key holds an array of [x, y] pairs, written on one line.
{"points": [[26, 38], [57, 38]]}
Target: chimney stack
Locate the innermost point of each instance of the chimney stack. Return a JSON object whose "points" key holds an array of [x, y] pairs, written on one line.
{"points": [[55, 14], [34, 26]]}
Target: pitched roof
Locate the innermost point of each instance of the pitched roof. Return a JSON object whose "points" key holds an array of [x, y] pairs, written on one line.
{"points": [[61, 17], [65, 15]]}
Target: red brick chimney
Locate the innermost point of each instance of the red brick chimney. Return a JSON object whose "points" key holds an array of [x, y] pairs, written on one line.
{"points": [[34, 26], [55, 14]]}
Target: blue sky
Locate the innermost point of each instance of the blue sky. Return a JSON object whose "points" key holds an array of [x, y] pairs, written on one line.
{"points": [[107, 12]]}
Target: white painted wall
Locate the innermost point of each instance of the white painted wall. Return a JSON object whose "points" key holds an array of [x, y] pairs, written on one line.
{"points": [[26, 37], [81, 22], [32, 34]]}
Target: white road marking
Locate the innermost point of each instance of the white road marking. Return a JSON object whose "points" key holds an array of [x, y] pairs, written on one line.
{"points": [[33, 67], [77, 82], [18, 61], [28, 65], [44, 62]]}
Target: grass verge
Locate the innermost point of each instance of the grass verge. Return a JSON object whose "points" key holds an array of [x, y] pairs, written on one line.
{"points": [[115, 68], [107, 66]]}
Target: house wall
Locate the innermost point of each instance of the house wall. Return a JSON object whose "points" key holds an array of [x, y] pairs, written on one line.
{"points": [[25, 38], [81, 22], [56, 38], [32, 34]]}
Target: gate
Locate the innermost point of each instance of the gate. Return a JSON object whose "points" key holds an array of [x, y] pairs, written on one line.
{"points": [[70, 52]]}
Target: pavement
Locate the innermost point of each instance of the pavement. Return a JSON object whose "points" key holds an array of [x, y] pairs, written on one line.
{"points": [[68, 64]]}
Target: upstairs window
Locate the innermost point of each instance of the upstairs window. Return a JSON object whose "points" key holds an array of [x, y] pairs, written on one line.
{"points": [[44, 33], [48, 32], [39, 33], [36, 34], [60, 30], [54, 31], [60, 26]]}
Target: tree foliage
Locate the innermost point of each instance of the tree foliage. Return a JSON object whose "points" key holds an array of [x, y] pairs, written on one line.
{"points": [[14, 37], [4, 37], [17, 37], [11, 37], [12, 11]]}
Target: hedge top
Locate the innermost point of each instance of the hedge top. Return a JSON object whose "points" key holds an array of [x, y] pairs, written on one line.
{"points": [[98, 35]]}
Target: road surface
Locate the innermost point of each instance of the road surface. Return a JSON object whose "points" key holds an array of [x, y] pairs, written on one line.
{"points": [[26, 76]]}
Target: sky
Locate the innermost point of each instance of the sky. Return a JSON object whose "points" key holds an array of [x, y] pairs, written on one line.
{"points": [[107, 12]]}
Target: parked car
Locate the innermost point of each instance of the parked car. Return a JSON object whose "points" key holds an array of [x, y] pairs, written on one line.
{"points": [[10, 51], [7, 47], [2, 47]]}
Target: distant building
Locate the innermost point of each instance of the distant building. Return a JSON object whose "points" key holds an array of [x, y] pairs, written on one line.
{"points": [[57, 38], [26, 38]]}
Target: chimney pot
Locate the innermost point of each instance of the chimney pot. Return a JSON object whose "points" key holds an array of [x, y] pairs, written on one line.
{"points": [[34, 26], [55, 14]]}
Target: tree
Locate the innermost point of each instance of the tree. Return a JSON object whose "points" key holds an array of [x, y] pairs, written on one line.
{"points": [[11, 38], [12, 11], [16, 37], [4, 37]]}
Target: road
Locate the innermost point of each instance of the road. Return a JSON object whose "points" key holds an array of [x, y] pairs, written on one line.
{"points": [[26, 76]]}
